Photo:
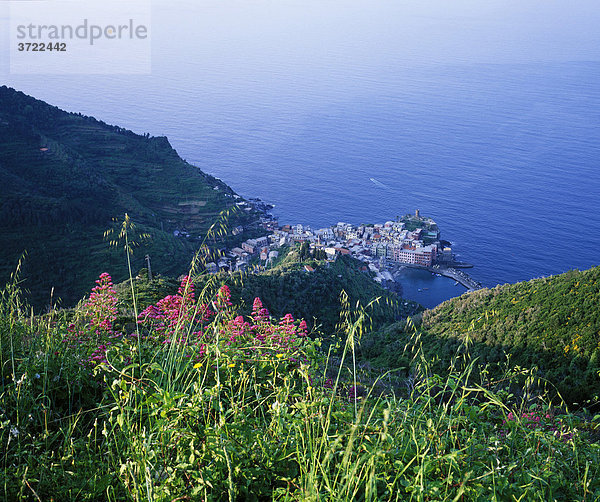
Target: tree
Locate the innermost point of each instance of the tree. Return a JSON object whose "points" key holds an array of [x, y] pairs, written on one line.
{"points": [[304, 251]]}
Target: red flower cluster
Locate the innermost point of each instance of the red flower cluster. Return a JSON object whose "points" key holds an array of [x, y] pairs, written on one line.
{"points": [[261, 331], [223, 298], [99, 355], [101, 307], [175, 313], [100, 313], [183, 319], [533, 420]]}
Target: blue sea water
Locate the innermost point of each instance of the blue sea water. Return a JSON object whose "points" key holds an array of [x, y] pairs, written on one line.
{"points": [[484, 117], [428, 290]]}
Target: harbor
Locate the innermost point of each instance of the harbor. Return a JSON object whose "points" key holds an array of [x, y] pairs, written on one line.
{"points": [[431, 286], [458, 275], [421, 286], [386, 250]]}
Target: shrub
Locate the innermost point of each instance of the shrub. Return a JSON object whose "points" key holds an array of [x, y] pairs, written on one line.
{"points": [[201, 403]]}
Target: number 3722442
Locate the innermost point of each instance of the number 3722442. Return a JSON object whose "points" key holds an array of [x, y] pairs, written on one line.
{"points": [[42, 47]]}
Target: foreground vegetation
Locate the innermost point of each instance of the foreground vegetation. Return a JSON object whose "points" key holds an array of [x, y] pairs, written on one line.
{"points": [[550, 324], [196, 402], [286, 287]]}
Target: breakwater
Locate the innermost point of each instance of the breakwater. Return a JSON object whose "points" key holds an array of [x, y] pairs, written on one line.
{"points": [[458, 275]]}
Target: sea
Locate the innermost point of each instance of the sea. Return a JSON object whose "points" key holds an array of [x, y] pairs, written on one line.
{"points": [[484, 116]]}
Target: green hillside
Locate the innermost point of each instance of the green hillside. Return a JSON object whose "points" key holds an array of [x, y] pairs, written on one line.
{"points": [[552, 324], [315, 296], [200, 402], [64, 176], [289, 288]]}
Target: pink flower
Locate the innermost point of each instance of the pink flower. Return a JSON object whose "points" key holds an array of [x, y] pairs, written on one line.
{"points": [[173, 312], [259, 312], [223, 298], [303, 328], [101, 306]]}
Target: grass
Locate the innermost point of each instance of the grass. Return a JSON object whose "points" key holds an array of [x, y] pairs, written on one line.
{"points": [[205, 405], [551, 323]]}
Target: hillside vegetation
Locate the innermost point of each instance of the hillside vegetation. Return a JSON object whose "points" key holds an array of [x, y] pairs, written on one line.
{"points": [[288, 287], [64, 176], [270, 385], [552, 324], [197, 402]]}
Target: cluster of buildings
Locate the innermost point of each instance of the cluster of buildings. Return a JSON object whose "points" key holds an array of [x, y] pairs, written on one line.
{"points": [[378, 246], [239, 258]]}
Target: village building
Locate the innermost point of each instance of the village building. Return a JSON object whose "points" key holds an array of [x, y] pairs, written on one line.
{"points": [[249, 246]]}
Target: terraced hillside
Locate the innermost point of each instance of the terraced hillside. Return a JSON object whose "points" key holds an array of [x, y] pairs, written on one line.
{"points": [[64, 176]]}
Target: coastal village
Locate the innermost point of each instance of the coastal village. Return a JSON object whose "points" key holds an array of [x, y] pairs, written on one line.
{"points": [[384, 248]]}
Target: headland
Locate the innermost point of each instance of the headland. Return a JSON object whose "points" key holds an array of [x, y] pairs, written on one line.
{"points": [[384, 248]]}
